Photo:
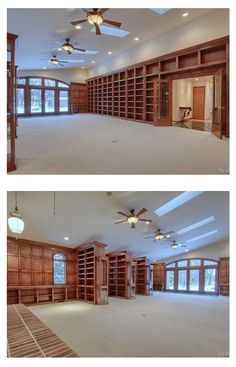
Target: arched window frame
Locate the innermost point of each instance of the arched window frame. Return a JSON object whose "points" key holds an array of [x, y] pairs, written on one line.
{"points": [[59, 87], [173, 267], [59, 260]]}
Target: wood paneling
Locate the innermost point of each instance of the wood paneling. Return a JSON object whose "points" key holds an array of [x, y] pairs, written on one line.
{"points": [[79, 97], [224, 278], [159, 277], [31, 263]]}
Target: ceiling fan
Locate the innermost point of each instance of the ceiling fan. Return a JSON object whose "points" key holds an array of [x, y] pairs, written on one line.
{"points": [[95, 17], [133, 218], [175, 245], [67, 46], [55, 61], [158, 235]]}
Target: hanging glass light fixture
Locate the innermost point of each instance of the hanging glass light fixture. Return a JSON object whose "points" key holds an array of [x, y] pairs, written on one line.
{"points": [[15, 222]]}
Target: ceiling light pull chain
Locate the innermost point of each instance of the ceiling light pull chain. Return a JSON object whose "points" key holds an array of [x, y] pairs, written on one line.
{"points": [[54, 203], [16, 207]]}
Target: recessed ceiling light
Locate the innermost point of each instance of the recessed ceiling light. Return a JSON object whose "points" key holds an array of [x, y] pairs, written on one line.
{"points": [[185, 15], [82, 67], [186, 250], [93, 62], [196, 79], [109, 53], [147, 222], [66, 238], [59, 49], [78, 27], [136, 39], [44, 68]]}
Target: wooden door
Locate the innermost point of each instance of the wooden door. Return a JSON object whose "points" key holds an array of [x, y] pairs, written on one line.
{"points": [[162, 105], [219, 103], [199, 103]]}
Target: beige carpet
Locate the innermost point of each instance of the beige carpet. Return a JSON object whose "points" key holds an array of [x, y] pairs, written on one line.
{"points": [[93, 144], [163, 325]]}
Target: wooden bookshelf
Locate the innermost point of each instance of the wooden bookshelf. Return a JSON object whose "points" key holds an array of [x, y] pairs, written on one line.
{"points": [[143, 92], [159, 276], [143, 276], [121, 275], [92, 278]]}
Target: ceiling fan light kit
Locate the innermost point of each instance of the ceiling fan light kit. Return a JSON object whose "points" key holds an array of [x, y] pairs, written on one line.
{"points": [[95, 18]]}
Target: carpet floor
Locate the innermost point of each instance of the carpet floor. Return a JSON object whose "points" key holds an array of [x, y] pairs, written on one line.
{"points": [[162, 325], [92, 144]]}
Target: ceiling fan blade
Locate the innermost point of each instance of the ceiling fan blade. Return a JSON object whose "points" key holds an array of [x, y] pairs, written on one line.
{"points": [[98, 32], [133, 225], [112, 22], [182, 246], [79, 49], [145, 220], [122, 214], [61, 64], [103, 10], [168, 232], [122, 221], [76, 22], [63, 61], [142, 211], [149, 237], [85, 10]]}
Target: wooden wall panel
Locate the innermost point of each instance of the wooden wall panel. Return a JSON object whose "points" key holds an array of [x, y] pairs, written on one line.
{"points": [[224, 278], [79, 97], [159, 277], [31, 263]]}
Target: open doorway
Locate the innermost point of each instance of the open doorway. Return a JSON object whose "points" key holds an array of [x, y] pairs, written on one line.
{"points": [[192, 103]]}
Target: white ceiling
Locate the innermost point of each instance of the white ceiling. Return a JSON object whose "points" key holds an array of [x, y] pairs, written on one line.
{"points": [[87, 216], [38, 28]]}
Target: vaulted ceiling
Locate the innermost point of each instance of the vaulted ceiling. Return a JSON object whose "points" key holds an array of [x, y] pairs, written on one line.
{"points": [[87, 216], [38, 28]]}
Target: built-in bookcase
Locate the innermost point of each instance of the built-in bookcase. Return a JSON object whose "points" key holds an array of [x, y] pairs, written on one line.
{"points": [[121, 275], [144, 283], [92, 273]]}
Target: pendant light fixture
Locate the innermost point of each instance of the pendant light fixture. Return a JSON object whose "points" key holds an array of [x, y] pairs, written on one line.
{"points": [[15, 222]]}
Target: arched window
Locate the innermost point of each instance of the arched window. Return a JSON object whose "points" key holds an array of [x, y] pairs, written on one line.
{"points": [[192, 275], [59, 267], [41, 96]]}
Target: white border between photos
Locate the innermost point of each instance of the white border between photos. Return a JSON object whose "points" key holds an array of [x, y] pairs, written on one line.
{"points": [[113, 182]]}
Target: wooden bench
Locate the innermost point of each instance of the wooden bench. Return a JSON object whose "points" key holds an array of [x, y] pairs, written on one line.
{"points": [[30, 337]]}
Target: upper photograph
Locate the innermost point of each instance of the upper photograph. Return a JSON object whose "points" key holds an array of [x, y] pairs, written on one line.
{"points": [[118, 91]]}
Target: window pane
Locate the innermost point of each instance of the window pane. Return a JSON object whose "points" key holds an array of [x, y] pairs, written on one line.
{"points": [[49, 101], [35, 81], [210, 280], [182, 263], [59, 272], [209, 262], [170, 279], [182, 280], [20, 81], [172, 265], [59, 257], [194, 280], [20, 100], [195, 262], [62, 85], [36, 101], [49, 83], [63, 101]]}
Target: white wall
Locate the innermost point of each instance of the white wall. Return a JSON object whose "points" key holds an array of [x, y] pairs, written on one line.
{"points": [[66, 75], [205, 28], [213, 251], [183, 96]]}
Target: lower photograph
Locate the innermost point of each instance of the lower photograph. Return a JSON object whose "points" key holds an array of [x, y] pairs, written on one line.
{"points": [[118, 274]]}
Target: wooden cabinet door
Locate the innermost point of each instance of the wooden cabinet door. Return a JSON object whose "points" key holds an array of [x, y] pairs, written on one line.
{"points": [[162, 105], [219, 110]]}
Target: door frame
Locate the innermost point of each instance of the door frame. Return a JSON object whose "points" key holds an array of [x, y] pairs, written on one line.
{"points": [[157, 119]]}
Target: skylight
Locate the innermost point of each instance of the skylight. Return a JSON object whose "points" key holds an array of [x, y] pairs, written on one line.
{"points": [[160, 11], [176, 202], [110, 31], [202, 236], [196, 225], [86, 52]]}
